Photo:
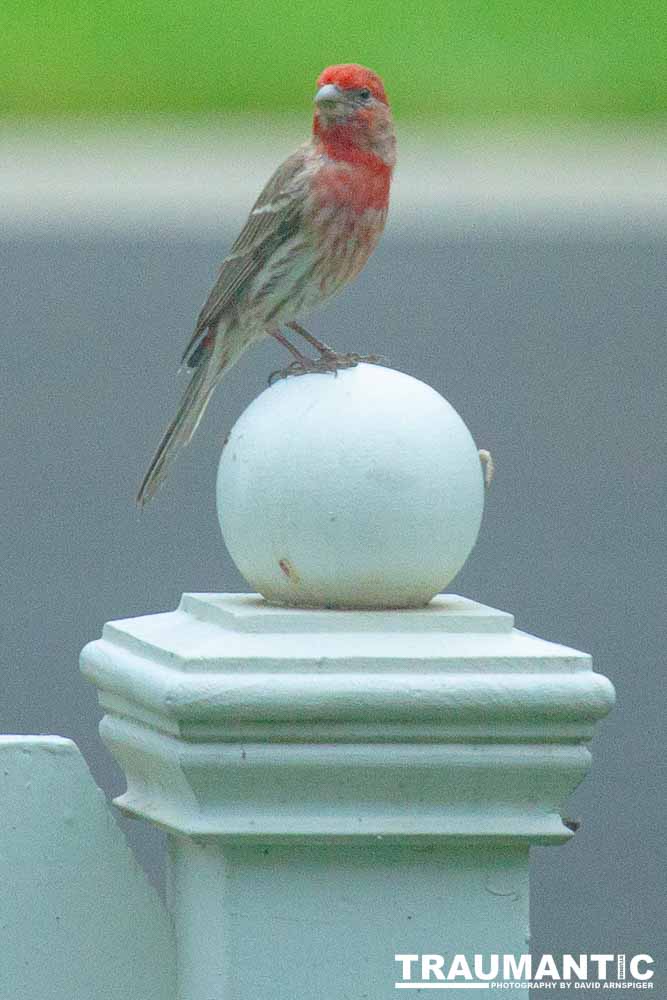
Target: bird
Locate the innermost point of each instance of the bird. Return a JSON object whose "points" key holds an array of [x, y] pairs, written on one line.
{"points": [[310, 232]]}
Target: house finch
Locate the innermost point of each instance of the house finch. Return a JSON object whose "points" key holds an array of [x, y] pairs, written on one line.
{"points": [[311, 231]]}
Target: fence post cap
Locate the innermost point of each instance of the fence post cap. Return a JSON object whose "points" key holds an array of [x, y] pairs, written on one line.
{"points": [[239, 720], [362, 488]]}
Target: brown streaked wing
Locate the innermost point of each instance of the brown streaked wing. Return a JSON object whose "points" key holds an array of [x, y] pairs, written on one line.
{"points": [[272, 219]]}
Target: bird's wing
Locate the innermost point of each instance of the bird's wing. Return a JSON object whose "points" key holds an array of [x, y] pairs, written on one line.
{"points": [[274, 217]]}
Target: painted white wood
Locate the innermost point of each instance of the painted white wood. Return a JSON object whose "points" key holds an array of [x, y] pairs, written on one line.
{"points": [[341, 785], [78, 919], [299, 921], [359, 489]]}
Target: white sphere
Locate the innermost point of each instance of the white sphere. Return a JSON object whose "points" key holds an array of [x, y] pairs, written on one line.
{"points": [[359, 490]]}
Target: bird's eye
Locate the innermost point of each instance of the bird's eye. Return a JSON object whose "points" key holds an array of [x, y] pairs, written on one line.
{"points": [[365, 94]]}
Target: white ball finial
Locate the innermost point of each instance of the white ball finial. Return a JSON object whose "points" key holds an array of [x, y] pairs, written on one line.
{"points": [[360, 490]]}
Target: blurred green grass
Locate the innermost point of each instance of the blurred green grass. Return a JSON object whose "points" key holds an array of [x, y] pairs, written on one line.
{"points": [[462, 59]]}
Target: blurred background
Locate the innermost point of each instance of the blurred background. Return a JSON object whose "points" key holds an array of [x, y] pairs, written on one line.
{"points": [[522, 274], [458, 60]]}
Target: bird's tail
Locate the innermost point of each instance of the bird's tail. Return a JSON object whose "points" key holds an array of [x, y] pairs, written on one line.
{"points": [[211, 364]]}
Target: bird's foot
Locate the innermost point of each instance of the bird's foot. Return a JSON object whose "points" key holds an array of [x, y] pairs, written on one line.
{"points": [[332, 361], [299, 367], [328, 362], [367, 359], [330, 356]]}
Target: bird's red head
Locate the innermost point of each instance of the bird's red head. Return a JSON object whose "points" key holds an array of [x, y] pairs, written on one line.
{"points": [[351, 77], [352, 116]]}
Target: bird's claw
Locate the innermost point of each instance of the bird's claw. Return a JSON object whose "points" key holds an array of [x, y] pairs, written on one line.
{"points": [[331, 361], [296, 368], [328, 362], [367, 359]]}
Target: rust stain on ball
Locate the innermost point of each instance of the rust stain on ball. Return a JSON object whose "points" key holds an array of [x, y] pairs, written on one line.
{"points": [[289, 571]]}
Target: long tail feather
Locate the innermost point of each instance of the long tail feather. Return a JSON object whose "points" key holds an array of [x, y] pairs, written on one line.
{"points": [[215, 356], [180, 430]]}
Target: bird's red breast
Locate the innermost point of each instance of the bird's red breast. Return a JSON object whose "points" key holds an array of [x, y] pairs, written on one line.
{"points": [[357, 186]]}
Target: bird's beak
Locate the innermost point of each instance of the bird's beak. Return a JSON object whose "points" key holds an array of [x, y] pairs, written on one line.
{"points": [[328, 96]]}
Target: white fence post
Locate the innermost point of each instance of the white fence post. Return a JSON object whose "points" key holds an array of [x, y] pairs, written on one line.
{"points": [[78, 919], [342, 786]]}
